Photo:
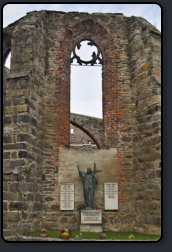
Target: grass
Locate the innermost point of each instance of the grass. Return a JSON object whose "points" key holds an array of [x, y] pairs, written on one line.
{"points": [[52, 233]]}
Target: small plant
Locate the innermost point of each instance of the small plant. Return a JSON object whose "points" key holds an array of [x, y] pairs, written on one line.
{"points": [[65, 233], [131, 236], [68, 230], [43, 232]]}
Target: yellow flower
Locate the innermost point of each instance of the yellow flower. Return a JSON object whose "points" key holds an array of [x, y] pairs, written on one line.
{"points": [[131, 236]]}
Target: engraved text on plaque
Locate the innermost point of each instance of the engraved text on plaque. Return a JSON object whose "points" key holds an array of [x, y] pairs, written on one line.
{"points": [[67, 196], [111, 196]]}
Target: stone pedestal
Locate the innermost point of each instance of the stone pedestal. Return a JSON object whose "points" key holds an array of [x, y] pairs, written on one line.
{"points": [[91, 228], [91, 221]]}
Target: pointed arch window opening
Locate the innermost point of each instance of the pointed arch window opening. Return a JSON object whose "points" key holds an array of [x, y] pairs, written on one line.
{"points": [[86, 83]]}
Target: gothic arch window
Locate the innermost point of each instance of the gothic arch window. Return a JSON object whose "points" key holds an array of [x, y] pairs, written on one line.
{"points": [[86, 78]]}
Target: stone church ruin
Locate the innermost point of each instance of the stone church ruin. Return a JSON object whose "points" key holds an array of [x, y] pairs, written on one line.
{"points": [[37, 155]]}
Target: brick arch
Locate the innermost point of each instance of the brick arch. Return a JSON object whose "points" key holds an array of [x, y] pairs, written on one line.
{"points": [[86, 132], [68, 38]]}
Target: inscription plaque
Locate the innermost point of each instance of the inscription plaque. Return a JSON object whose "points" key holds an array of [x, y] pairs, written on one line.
{"points": [[91, 216], [67, 196], [111, 196]]}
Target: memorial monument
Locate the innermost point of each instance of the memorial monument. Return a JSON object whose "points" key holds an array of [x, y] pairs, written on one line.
{"points": [[90, 216], [89, 185]]}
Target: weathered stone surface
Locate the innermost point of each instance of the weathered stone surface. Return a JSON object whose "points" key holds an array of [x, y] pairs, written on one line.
{"points": [[38, 197], [23, 227], [158, 173], [18, 206], [55, 207], [92, 125], [156, 195], [25, 154], [15, 146], [49, 198], [23, 118], [93, 228], [139, 196], [6, 155], [11, 216], [21, 187], [127, 219], [7, 139], [11, 196], [63, 220], [5, 206], [24, 137], [14, 163]]}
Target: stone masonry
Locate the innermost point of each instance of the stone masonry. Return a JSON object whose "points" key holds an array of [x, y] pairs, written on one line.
{"points": [[79, 138], [92, 126], [36, 137]]}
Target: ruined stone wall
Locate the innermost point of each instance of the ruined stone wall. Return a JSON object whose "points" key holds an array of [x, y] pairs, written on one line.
{"points": [[37, 115], [79, 137], [145, 58], [90, 125], [22, 163]]}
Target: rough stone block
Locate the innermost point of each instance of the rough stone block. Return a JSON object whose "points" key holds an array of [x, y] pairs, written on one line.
{"points": [[33, 121], [15, 146], [38, 196], [139, 196], [14, 163], [124, 206], [11, 216], [17, 108], [156, 195], [26, 154], [158, 173], [18, 206], [37, 206], [24, 137], [10, 196], [63, 220], [7, 139], [5, 205], [23, 227], [6, 155], [8, 120], [23, 118]]}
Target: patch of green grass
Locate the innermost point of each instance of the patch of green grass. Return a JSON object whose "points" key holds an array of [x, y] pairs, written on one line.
{"points": [[54, 233]]}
